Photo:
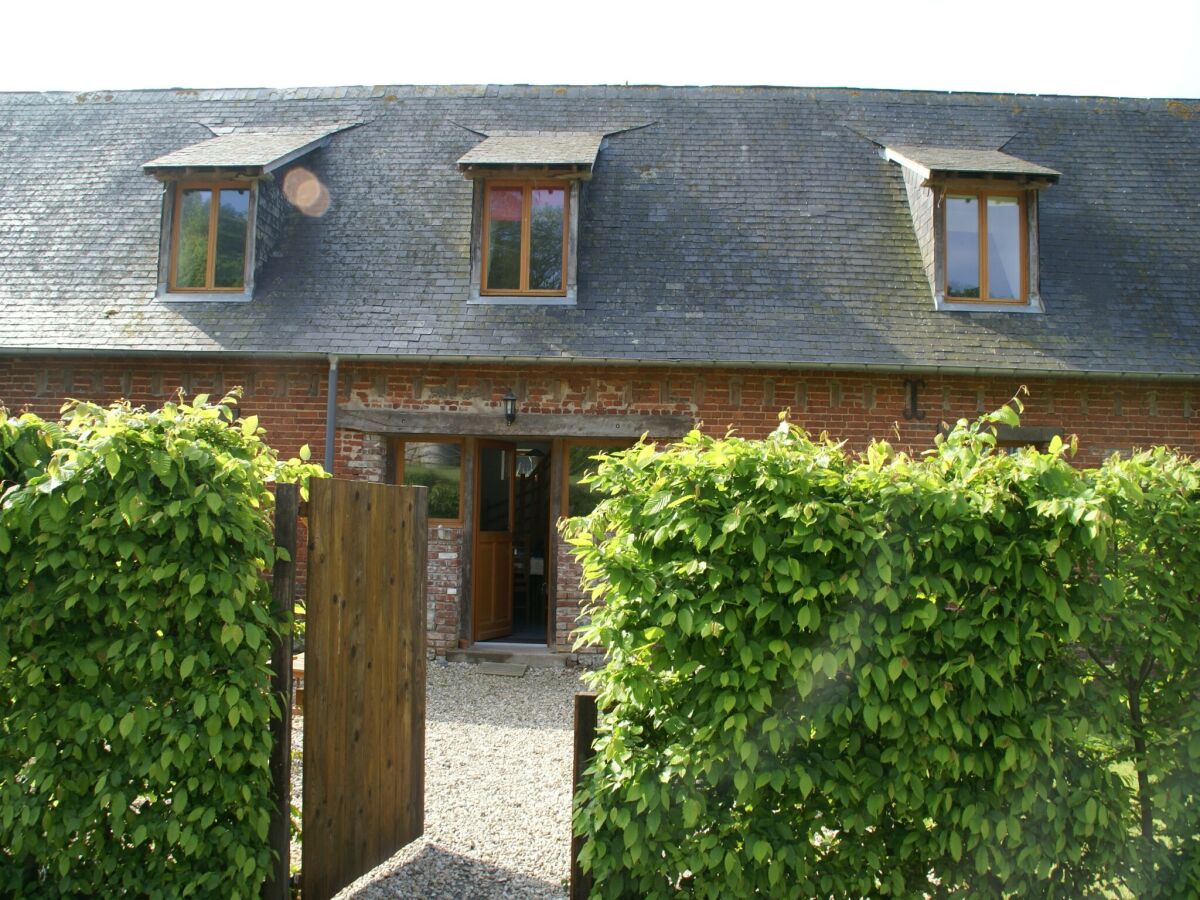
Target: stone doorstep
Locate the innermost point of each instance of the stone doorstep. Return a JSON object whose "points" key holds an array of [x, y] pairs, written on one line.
{"points": [[511, 670], [533, 656]]}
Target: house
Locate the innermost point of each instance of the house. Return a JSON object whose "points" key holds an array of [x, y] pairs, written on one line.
{"points": [[475, 287]]}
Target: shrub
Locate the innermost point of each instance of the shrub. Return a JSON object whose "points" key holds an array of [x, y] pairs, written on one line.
{"points": [[1143, 637], [135, 631], [836, 676], [25, 446]]}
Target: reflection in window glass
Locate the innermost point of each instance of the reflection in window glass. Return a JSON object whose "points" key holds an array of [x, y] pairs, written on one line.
{"points": [[232, 217], [962, 247], [191, 260], [546, 239], [437, 466], [1004, 248], [495, 488], [582, 498], [504, 239]]}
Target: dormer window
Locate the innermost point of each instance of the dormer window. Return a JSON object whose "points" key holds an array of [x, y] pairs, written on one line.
{"points": [[525, 222], [211, 236], [975, 217], [525, 241], [986, 247], [212, 192]]}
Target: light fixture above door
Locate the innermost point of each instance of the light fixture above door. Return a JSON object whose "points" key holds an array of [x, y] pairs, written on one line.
{"points": [[510, 407]]}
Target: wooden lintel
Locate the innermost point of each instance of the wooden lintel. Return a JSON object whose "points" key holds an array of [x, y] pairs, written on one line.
{"points": [[566, 173], [172, 174], [492, 424], [987, 181]]}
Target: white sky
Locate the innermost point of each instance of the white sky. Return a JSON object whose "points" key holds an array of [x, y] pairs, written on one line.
{"points": [[1148, 48]]}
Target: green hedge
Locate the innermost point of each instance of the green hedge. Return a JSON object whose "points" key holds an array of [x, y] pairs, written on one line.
{"points": [[836, 676], [135, 630]]}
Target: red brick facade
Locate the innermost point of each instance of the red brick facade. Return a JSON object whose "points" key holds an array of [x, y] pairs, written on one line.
{"points": [[290, 399]]}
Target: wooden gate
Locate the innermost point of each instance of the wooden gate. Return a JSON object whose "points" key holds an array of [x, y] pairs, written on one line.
{"points": [[364, 722]]}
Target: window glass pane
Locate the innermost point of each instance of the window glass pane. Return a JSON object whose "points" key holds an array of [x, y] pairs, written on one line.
{"points": [[495, 482], [582, 498], [1004, 248], [232, 216], [504, 239], [191, 260], [438, 466], [546, 239], [962, 247]]}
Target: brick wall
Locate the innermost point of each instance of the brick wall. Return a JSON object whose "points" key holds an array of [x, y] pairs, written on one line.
{"points": [[442, 587], [1107, 415], [289, 399], [570, 599]]}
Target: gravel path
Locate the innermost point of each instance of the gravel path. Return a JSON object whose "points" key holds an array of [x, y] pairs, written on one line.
{"points": [[497, 790]]}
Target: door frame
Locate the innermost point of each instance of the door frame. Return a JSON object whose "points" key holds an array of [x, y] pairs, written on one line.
{"points": [[509, 447]]}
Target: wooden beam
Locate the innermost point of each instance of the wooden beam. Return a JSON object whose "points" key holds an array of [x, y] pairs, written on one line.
{"points": [[558, 450], [466, 553], [565, 171], [492, 424], [586, 720], [986, 181]]}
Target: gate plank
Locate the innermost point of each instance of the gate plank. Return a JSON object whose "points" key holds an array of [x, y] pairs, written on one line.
{"points": [[283, 592], [365, 679]]}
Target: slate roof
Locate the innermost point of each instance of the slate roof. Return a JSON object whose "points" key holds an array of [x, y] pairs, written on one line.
{"points": [[243, 149], [740, 226], [529, 148], [960, 161]]}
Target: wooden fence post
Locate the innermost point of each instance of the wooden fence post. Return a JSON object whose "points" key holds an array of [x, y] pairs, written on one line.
{"points": [[585, 737], [283, 592]]}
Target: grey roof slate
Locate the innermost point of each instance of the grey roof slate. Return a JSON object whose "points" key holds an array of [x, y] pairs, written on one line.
{"points": [[527, 148], [740, 226], [243, 149], [960, 160]]}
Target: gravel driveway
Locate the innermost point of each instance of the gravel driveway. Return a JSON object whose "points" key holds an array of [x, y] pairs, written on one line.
{"points": [[497, 790]]}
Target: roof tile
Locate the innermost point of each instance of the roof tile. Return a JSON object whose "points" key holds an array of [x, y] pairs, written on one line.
{"points": [[752, 226]]}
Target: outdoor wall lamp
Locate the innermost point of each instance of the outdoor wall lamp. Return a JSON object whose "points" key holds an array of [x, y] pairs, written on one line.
{"points": [[510, 407]]}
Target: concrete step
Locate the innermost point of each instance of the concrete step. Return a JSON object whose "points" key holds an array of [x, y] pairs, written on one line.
{"points": [[531, 655]]}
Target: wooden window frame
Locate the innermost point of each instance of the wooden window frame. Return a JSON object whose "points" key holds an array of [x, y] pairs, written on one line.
{"points": [[981, 196], [216, 186], [527, 186], [567, 444], [397, 474]]}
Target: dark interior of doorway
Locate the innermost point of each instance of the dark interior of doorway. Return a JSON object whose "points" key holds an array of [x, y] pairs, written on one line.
{"points": [[531, 538]]}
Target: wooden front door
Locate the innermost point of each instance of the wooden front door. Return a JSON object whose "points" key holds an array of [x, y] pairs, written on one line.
{"points": [[491, 585]]}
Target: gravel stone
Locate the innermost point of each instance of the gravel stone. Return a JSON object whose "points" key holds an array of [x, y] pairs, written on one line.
{"points": [[497, 790]]}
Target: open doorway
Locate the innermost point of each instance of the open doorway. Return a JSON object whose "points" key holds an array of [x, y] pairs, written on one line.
{"points": [[512, 541]]}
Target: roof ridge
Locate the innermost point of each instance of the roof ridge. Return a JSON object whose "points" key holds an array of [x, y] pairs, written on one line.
{"points": [[416, 91]]}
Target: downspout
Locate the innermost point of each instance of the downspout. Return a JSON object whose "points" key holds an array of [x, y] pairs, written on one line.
{"points": [[331, 413]]}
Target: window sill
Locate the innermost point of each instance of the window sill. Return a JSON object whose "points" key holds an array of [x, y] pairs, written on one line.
{"points": [[165, 296], [941, 304], [477, 299]]}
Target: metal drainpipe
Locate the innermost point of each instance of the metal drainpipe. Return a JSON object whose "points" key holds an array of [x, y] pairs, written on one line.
{"points": [[331, 413]]}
